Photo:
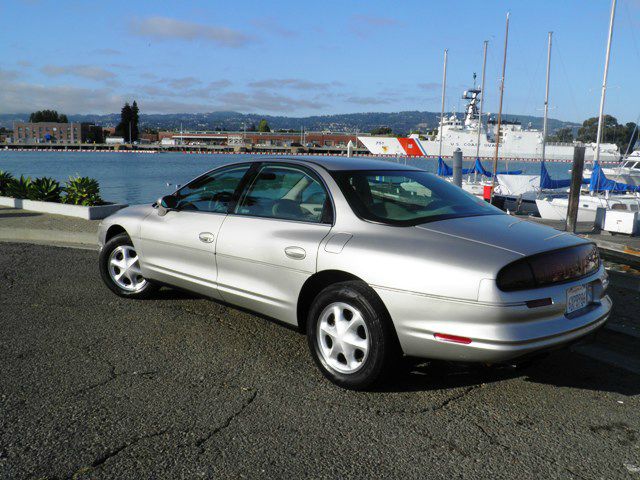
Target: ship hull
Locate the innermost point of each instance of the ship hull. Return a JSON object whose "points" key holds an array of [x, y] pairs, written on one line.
{"points": [[513, 147]]}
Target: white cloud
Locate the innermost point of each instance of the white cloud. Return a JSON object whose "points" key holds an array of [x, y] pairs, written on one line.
{"points": [[272, 26], [19, 97], [107, 51], [367, 100], [262, 101], [164, 28], [295, 83], [364, 26], [90, 72]]}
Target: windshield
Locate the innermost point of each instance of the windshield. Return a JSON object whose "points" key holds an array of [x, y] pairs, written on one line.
{"points": [[408, 197]]}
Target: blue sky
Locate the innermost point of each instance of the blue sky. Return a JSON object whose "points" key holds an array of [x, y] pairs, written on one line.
{"points": [[305, 58]]}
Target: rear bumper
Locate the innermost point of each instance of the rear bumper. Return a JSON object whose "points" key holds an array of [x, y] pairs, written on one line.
{"points": [[498, 333]]}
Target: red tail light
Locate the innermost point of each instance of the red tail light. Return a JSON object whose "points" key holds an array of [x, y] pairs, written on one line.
{"points": [[452, 338]]}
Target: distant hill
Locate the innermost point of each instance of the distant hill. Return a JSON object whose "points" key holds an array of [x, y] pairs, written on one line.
{"points": [[399, 122]]}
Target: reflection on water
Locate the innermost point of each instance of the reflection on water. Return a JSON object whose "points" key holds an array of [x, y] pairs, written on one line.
{"points": [[142, 177]]}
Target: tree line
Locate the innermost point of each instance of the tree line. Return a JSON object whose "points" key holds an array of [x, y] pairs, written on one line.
{"points": [[613, 132], [48, 116]]}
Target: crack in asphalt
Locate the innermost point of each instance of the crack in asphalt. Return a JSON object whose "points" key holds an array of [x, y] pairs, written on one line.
{"points": [[200, 443], [10, 280], [113, 374], [102, 459], [432, 408], [493, 441], [454, 398]]}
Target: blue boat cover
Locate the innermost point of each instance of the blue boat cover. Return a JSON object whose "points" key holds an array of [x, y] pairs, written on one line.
{"points": [[600, 183], [547, 183], [445, 170], [479, 169]]}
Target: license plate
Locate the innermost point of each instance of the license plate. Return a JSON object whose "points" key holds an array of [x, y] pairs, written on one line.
{"points": [[576, 298]]}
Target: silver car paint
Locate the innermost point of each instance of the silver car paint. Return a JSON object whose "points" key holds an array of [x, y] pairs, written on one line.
{"points": [[174, 252], [263, 263], [436, 277]]}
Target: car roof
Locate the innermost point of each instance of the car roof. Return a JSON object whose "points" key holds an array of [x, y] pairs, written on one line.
{"points": [[342, 163]]}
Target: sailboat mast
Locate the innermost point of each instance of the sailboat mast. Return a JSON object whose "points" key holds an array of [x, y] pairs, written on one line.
{"points": [[504, 68], [546, 99], [604, 82], [484, 66], [444, 89]]}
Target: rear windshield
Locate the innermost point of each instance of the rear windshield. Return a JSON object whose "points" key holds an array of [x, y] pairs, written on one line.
{"points": [[408, 197]]}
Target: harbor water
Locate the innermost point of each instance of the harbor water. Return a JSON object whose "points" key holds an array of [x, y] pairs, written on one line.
{"points": [[142, 177]]}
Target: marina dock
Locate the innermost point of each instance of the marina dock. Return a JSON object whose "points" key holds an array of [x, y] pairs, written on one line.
{"points": [[622, 249]]}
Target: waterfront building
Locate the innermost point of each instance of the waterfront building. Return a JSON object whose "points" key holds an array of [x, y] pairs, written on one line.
{"points": [[53, 132], [260, 139]]}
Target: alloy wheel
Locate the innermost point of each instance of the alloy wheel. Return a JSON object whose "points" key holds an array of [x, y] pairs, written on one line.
{"points": [[343, 337], [124, 269]]}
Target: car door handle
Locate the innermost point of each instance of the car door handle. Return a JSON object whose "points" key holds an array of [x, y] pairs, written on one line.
{"points": [[206, 237], [296, 253]]}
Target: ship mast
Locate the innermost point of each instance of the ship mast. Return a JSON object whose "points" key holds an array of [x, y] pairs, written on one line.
{"points": [[444, 88], [484, 65], [546, 99], [504, 68], [604, 82]]}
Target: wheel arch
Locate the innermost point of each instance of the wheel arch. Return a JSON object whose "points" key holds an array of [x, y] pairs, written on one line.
{"points": [[318, 282], [114, 230]]}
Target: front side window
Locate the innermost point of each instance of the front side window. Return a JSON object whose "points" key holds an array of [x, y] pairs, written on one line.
{"points": [[211, 192], [288, 193], [407, 198]]}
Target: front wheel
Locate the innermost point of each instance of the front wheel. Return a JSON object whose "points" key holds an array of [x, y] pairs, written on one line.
{"points": [[120, 269], [350, 335]]}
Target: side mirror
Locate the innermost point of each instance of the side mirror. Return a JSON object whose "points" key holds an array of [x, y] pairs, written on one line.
{"points": [[165, 204]]}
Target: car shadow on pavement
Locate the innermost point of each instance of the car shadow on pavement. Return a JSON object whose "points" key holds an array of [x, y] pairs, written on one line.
{"points": [[562, 368]]}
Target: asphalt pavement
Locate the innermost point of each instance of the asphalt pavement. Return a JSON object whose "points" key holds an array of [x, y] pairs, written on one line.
{"points": [[95, 386]]}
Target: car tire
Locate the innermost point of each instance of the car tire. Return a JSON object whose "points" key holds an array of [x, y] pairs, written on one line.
{"points": [[351, 336], [120, 269]]}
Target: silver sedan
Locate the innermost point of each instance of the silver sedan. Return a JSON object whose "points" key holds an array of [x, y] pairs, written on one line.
{"points": [[373, 260]]}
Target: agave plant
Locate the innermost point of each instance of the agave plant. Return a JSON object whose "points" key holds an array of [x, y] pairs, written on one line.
{"points": [[19, 187], [82, 191], [5, 178], [45, 189]]}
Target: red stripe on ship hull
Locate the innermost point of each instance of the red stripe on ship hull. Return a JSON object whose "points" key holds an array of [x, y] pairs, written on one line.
{"points": [[410, 147]]}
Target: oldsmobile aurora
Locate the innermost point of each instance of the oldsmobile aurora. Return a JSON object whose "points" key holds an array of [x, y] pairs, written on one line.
{"points": [[371, 259]]}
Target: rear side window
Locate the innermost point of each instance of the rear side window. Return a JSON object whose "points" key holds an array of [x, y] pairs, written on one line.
{"points": [[406, 198], [288, 193], [211, 192]]}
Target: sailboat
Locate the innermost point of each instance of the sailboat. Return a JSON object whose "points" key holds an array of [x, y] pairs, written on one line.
{"points": [[604, 193]]}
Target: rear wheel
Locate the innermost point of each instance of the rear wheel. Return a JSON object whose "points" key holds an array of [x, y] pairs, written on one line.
{"points": [[350, 335], [120, 269]]}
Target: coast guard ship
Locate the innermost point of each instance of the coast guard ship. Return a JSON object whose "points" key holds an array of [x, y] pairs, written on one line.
{"points": [[515, 142]]}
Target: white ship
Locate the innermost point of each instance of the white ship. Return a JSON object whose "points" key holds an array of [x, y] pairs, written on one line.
{"points": [[515, 142]]}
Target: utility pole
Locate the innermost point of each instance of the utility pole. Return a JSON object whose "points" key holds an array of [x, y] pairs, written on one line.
{"points": [[444, 89], [504, 68], [546, 99]]}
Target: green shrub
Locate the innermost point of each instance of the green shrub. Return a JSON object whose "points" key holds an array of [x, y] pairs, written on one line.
{"points": [[5, 178], [82, 191], [45, 189], [19, 187]]}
